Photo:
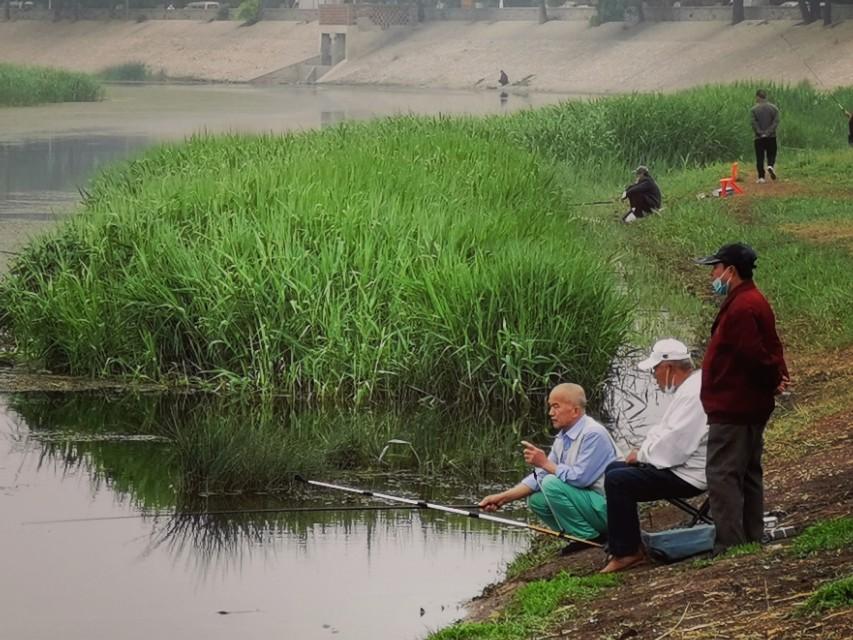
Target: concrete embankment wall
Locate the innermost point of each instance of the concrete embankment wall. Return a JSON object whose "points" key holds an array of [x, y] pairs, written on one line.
{"points": [[562, 55], [570, 56], [219, 50]]}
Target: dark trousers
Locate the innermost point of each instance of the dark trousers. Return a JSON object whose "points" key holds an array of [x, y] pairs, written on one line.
{"points": [[764, 146], [735, 484], [640, 204], [627, 484]]}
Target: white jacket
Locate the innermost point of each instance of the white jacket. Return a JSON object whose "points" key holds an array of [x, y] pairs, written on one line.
{"points": [[680, 442]]}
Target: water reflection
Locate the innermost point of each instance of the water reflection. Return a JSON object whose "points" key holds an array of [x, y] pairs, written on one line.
{"points": [[41, 176], [76, 456], [632, 401], [207, 445]]}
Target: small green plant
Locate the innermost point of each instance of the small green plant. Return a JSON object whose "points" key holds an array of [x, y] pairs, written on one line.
{"points": [[249, 11], [825, 536], [831, 595]]}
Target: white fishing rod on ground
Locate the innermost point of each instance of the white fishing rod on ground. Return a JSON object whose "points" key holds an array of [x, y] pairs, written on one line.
{"points": [[460, 512]]}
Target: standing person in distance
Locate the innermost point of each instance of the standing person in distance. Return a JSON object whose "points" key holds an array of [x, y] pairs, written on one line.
{"points": [[743, 369], [765, 120]]}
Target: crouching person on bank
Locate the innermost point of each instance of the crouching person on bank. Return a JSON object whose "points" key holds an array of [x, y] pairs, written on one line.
{"points": [[671, 461], [566, 490]]}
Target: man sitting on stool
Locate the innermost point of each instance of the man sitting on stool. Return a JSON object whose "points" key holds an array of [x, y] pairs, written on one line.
{"points": [[671, 461], [644, 195]]}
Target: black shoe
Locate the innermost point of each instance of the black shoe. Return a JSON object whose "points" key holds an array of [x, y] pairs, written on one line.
{"points": [[575, 546]]}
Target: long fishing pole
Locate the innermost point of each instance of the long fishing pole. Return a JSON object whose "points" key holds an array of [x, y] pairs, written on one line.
{"points": [[460, 512], [589, 204], [814, 73], [178, 514]]}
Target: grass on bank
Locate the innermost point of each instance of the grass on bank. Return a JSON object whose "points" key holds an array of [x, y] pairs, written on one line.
{"points": [[830, 535], [24, 86], [535, 608], [831, 595]]}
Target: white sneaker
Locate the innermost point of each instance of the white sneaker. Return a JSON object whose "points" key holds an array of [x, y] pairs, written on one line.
{"points": [[761, 181], [772, 173]]}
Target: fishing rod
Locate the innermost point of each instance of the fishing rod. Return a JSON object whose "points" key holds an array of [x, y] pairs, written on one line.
{"points": [[370, 507], [814, 73], [460, 512], [589, 204]]}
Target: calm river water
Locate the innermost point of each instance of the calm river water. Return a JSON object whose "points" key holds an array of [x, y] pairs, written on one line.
{"points": [[306, 575]]}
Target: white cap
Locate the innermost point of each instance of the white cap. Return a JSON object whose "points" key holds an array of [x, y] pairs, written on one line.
{"points": [[667, 350]]}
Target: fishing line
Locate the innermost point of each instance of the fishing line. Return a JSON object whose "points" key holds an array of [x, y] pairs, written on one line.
{"points": [[542, 491], [814, 73], [371, 507]]}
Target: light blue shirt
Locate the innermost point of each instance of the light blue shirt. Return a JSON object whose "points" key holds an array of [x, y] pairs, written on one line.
{"points": [[596, 452]]}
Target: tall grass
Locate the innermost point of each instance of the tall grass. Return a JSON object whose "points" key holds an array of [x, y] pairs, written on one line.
{"points": [[24, 86], [610, 136], [409, 259], [413, 259]]}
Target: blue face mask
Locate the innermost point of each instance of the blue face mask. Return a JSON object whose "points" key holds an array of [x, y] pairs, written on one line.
{"points": [[720, 288]]}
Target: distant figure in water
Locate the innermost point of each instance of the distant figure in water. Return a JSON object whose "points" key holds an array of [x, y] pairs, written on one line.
{"points": [[504, 79]]}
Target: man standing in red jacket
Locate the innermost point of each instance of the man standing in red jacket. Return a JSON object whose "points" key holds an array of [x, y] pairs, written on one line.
{"points": [[744, 368]]}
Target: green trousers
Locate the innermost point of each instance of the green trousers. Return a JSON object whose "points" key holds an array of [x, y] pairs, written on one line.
{"points": [[578, 512]]}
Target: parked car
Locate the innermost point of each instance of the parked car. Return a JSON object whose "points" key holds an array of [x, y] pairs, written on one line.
{"points": [[22, 4], [203, 5]]}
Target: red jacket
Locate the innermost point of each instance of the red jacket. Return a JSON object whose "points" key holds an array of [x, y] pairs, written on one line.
{"points": [[744, 363]]}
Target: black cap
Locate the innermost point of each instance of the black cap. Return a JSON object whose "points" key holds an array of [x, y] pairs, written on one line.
{"points": [[739, 255]]}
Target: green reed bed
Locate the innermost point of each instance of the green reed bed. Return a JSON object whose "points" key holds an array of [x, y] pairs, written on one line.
{"points": [[23, 86], [406, 259]]}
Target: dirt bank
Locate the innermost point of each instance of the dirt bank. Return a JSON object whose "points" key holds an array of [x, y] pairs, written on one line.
{"points": [[559, 56]]}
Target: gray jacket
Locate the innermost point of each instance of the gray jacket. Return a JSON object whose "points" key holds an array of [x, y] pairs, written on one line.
{"points": [[765, 119]]}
